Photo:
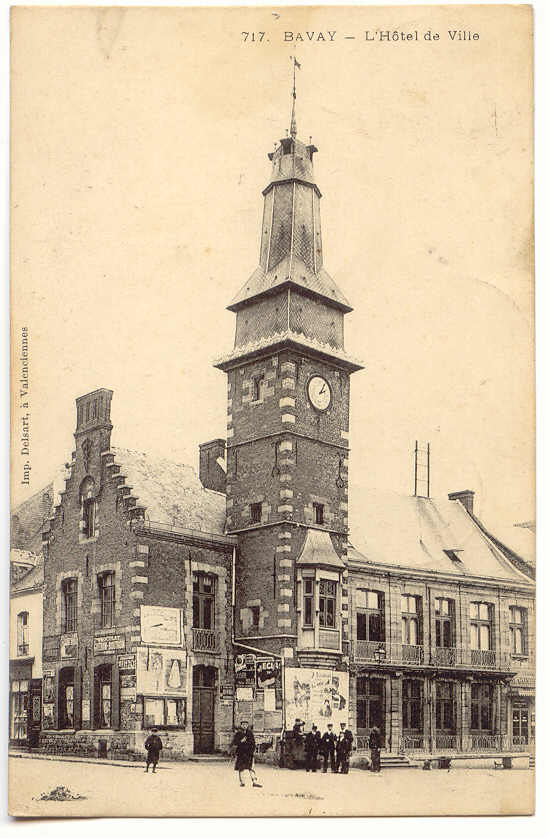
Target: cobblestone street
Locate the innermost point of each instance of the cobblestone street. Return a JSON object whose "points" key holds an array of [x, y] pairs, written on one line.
{"points": [[194, 789]]}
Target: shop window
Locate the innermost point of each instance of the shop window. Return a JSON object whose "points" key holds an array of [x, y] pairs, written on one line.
{"points": [[70, 605], [164, 712], [412, 704], [107, 598], [327, 603], [256, 513], [482, 707], [308, 602], [19, 709], [481, 628], [445, 623], [446, 707], [518, 631], [23, 633], [318, 513], [411, 620], [66, 698], [103, 696], [203, 602], [370, 616]]}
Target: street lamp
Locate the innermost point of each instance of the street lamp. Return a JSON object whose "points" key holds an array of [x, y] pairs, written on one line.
{"points": [[380, 654]]}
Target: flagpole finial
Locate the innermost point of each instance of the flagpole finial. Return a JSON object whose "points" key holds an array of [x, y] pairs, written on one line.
{"points": [[293, 126]]}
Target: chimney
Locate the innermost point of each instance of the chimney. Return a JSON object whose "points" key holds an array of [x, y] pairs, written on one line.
{"points": [[213, 465], [466, 497]]}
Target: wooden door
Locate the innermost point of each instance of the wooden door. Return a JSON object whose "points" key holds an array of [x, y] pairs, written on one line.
{"points": [[203, 709]]}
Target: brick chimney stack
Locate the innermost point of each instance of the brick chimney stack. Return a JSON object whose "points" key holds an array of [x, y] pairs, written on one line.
{"points": [[213, 465], [466, 497]]}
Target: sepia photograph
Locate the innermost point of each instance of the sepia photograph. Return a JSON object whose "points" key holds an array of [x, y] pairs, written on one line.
{"points": [[272, 520]]}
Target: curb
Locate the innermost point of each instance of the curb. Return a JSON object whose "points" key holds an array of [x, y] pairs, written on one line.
{"points": [[90, 761]]}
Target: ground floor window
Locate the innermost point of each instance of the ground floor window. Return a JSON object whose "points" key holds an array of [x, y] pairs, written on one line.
{"points": [[164, 712], [412, 705], [19, 709], [103, 692], [482, 707], [446, 707], [66, 698], [370, 703]]}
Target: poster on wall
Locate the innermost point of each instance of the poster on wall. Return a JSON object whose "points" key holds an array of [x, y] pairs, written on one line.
{"points": [[161, 671], [160, 625], [268, 673], [318, 696], [47, 716], [244, 670]]}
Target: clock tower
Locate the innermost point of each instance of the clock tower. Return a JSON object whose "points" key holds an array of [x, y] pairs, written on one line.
{"points": [[287, 430]]}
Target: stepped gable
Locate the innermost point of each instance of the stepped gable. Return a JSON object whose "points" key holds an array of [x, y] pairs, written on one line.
{"points": [[428, 534], [166, 492]]}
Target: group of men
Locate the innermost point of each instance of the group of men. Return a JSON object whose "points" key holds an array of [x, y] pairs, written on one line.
{"points": [[335, 748]]}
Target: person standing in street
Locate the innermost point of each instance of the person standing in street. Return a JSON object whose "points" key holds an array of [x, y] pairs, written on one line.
{"points": [[153, 746], [244, 746], [375, 748], [312, 744], [329, 741], [344, 749]]}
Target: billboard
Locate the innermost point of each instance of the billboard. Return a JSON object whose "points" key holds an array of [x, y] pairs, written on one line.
{"points": [[318, 696]]}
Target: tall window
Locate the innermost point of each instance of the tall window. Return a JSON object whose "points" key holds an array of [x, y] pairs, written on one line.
{"points": [[256, 513], [103, 701], [23, 633], [308, 602], [66, 698], [518, 631], [370, 703], [446, 706], [87, 498], [482, 707], [107, 598], [445, 623], [411, 704], [203, 603], [89, 518], [70, 604], [411, 620], [258, 388], [370, 617], [327, 603], [481, 625]]}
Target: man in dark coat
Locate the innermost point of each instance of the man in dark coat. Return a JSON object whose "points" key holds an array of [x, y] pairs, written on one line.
{"points": [[153, 745], [375, 743], [328, 749], [243, 745], [312, 742], [344, 749]]}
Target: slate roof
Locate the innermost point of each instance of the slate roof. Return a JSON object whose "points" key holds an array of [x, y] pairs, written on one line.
{"points": [[290, 270], [171, 492], [392, 529], [35, 576], [318, 550]]}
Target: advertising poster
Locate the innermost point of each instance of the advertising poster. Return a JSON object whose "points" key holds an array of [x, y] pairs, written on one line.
{"points": [[318, 696], [268, 673], [161, 672], [244, 670]]}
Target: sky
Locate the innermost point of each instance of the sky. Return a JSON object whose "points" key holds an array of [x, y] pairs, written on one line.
{"points": [[139, 156]]}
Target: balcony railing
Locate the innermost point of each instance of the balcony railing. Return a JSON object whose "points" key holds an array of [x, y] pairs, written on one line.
{"points": [[443, 657], [483, 657], [445, 741], [486, 742], [364, 650], [412, 654], [205, 640]]}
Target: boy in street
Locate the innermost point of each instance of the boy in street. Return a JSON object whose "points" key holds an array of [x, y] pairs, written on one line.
{"points": [[244, 746], [153, 745]]}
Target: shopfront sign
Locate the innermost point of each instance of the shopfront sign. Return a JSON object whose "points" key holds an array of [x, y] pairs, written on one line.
{"points": [[126, 663], [109, 644]]}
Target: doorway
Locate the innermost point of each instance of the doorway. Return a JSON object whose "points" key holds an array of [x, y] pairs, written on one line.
{"points": [[522, 734], [203, 709], [370, 705]]}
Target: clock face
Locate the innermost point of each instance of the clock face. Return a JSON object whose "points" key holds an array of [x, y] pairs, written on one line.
{"points": [[319, 392]]}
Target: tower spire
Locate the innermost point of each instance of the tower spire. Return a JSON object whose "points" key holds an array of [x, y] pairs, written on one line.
{"points": [[293, 125]]}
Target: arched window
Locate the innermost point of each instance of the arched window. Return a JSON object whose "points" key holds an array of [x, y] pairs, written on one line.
{"points": [[88, 506], [23, 633]]}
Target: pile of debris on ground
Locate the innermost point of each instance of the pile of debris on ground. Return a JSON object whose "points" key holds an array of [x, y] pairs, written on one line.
{"points": [[61, 793]]}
